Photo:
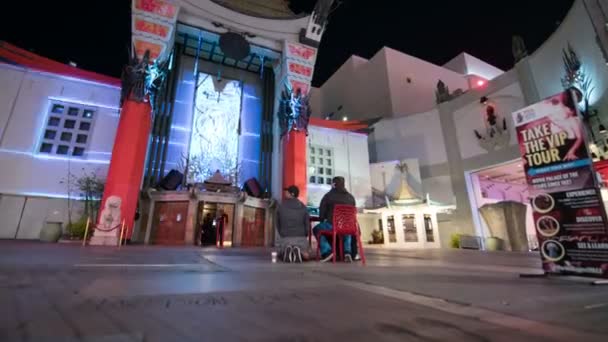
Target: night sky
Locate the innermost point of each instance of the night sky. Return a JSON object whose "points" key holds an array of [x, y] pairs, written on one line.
{"points": [[96, 34]]}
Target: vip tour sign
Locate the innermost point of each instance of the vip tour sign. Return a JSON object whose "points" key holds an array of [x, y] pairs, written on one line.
{"points": [[568, 211]]}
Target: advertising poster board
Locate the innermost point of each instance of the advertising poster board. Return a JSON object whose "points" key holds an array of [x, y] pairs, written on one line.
{"points": [[569, 215]]}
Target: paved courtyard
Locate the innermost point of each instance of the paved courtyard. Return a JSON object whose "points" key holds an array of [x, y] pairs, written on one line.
{"points": [[51, 292]]}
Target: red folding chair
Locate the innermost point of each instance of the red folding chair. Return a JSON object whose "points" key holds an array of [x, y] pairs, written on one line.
{"points": [[344, 223]]}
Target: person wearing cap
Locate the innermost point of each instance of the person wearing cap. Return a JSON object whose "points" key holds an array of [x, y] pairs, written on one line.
{"points": [[337, 195], [293, 222]]}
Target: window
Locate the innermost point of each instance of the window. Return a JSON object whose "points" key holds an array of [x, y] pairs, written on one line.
{"points": [[66, 136], [409, 228], [78, 151], [73, 111], [54, 122], [50, 134], [67, 130], [57, 108], [46, 148], [428, 228], [81, 138], [62, 149], [320, 167]]}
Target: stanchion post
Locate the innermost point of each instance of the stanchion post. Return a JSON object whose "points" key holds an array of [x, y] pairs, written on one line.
{"points": [[86, 232], [122, 229]]}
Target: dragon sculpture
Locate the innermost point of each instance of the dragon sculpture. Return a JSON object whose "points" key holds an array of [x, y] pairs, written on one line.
{"points": [[141, 79], [294, 110]]}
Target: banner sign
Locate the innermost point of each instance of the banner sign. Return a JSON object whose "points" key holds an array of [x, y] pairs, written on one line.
{"points": [[297, 84], [153, 25], [299, 65], [163, 10], [302, 53], [149, 28], [569, 215], [296, 69], [141, 44]]}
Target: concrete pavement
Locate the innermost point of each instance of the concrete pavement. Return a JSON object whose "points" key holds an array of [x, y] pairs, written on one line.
{"points": [[68, 293]]}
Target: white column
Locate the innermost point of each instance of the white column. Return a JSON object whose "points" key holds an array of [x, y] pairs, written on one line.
{"points": [[420, 229], [385, 228], [399, 234]]}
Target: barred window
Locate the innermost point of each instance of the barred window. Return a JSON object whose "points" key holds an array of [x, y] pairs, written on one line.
{"points": [[67, 130], [320, 165]]}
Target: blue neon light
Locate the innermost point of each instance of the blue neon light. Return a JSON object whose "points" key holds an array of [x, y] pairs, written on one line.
{"points": [[84, 103], [54, 157]]}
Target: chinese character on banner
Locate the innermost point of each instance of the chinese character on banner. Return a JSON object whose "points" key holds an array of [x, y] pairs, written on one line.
{"points": [[300, 69], [164, 9], [301, 52], [295, 85], [141, 45], [154, 29]]}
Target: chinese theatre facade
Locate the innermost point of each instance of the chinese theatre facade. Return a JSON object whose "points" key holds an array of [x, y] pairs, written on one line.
{"points": [[214, 118]]}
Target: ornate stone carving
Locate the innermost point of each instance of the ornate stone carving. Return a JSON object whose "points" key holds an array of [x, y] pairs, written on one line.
{"points": [[110, 215], [141, 79], [294, 111], [321, 12], [497, 135], [442, 94], [518, 48]]}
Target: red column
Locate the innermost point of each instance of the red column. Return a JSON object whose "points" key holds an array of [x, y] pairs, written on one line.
{"points": [[294, 162], [128, 158]]}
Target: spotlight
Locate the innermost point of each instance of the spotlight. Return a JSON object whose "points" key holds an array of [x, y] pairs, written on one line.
{"points": [[344, 118], [480, 83]]}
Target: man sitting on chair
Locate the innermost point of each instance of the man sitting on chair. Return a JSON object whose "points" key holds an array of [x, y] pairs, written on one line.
{"points": [[293, 225], [337, 195]]}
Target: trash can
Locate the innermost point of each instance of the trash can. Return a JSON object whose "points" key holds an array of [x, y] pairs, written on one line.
{"points": [[494, 244], [51, 232]]}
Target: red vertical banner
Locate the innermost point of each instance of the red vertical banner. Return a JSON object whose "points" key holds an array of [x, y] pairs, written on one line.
{"points": [[298, 68], [569, 215], [294, 162], [126, 170]]}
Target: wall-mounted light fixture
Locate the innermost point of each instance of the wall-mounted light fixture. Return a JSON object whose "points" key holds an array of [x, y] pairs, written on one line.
{"points": [[483, 100]]}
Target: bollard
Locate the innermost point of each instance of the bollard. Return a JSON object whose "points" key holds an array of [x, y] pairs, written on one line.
{"points": [[122, 229], [86, 232], [273, 256]]}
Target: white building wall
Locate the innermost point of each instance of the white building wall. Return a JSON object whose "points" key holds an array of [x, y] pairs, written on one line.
{"points": [[415, 136], [316, 102], [419, 95], [360, 87], [36, 178], [547, 65], [470, 65], [351, 159]]}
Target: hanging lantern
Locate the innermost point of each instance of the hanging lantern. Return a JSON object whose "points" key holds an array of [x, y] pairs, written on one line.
{"points": [[234, 45]]}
